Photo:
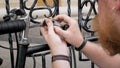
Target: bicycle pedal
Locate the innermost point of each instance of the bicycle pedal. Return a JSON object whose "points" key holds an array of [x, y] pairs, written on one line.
{"points": [[1, 61]]}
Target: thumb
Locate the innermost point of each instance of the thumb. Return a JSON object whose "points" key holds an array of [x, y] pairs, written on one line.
{"points": [[60, 31], [49, 24]]}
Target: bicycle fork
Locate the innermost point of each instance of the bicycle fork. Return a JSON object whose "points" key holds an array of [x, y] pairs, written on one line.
{"points": [[23, 45]]}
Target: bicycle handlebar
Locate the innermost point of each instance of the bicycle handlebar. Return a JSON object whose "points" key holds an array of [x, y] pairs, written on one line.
{"points": [[12, 26]]}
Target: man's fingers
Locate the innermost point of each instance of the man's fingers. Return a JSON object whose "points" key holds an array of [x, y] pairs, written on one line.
{"points": [[64, 18], [49, 25], [43, 31], [60, 32]]}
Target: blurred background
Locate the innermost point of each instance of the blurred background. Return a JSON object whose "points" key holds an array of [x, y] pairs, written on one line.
{"points": [[34, 33]]}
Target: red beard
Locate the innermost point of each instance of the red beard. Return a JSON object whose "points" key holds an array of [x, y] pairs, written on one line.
{"points": [[108, 35]]}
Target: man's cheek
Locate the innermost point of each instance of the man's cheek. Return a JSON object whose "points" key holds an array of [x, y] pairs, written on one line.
{"points": [[116, 5]]}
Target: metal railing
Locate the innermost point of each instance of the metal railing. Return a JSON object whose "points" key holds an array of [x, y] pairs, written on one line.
{"points": [[23, 48]]}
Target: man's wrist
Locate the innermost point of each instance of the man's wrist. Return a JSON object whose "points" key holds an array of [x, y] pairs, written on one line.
{"points": [[82, 45], [60, 57], [60, 52]]}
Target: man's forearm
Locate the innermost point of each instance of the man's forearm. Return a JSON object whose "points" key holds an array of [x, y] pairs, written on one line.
{"points": [[61, 64], [99, 56]]}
